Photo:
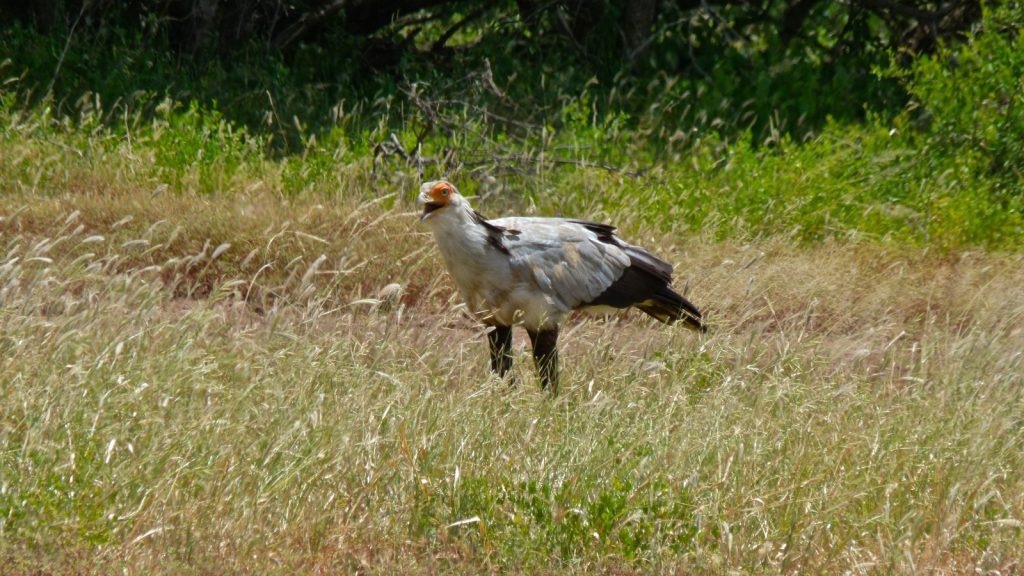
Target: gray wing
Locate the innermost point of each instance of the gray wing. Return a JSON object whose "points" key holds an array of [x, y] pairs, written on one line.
{"points": [[565, 259]]}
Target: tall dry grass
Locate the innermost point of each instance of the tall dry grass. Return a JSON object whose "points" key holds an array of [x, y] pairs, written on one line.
{"points": [[202, 384]]}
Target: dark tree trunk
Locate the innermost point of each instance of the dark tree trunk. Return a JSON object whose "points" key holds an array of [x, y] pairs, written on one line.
{"points": [[585, 15], [636, 22], [205, 24]]}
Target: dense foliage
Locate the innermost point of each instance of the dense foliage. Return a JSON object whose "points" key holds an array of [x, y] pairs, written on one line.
{"points": [[737, 119], [796, 61]]}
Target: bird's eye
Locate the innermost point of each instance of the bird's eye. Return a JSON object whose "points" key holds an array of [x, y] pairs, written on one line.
{"points": [[444, 192]]}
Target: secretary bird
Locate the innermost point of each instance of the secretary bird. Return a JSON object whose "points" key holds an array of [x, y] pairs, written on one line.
{"points": [[536, 271]]}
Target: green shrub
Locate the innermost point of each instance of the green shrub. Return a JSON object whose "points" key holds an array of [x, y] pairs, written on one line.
{"points": [[974, 95], [970, 100]]}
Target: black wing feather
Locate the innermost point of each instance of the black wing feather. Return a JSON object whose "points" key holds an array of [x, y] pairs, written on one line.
{"points": [[646, 284]]}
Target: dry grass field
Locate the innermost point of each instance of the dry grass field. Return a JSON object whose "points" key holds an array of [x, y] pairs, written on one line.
{"points": [[203, 384], [198, 374]]}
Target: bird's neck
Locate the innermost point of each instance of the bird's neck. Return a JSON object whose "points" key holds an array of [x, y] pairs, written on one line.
{"points": [[458, 233]]}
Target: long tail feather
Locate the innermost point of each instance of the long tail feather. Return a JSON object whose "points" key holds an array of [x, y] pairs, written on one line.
{"points": [[668, 306], [646, 285]]}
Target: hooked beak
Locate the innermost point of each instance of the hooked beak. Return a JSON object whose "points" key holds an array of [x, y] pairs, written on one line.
{"points": [[429, 207]]}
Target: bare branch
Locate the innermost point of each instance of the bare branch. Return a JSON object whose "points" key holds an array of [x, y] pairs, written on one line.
{"points": [[307, 22], [67, 44], [439, 45]]}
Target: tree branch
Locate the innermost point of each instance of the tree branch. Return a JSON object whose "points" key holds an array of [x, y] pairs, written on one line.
{"points": [[307, 22], [67, 44], [909, 11], [439, 44]]}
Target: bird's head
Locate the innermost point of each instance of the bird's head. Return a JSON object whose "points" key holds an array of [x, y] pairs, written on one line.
{"points": [[437, 198]]}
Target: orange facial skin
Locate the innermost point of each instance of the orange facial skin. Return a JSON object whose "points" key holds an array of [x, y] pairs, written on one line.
{"points": [[439, 197], [441, 193]]}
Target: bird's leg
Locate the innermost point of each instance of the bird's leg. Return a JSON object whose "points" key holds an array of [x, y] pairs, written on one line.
{"points": [[545, 356], [500, 340]]}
